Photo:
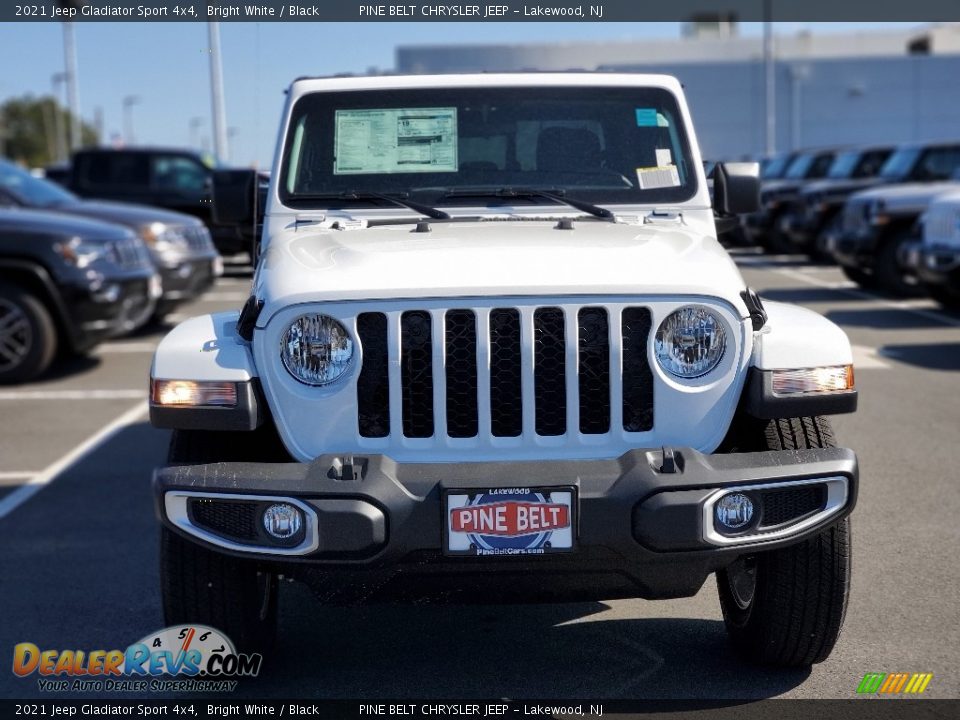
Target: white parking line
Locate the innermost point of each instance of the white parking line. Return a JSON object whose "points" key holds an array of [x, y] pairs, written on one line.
{"points": [[867, 358], [902, 305], [39, 481], [73, 394], [225, 296], [16, 475], [127, 347]]}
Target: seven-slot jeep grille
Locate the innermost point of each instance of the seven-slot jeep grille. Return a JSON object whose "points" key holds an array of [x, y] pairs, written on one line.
{"points": [[504, 373]]}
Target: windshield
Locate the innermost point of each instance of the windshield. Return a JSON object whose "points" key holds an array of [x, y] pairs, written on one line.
{"points": [[844, 166], [900, 163], [600, 145], [798, 168], [775, 167], [30, 190]]}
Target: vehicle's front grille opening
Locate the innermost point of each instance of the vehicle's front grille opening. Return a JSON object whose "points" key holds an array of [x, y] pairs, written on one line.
{"points": [[373, 385], [549, 371], [416, 368], [506, 402], [791, 504], [637, 375], [594, 370], [461, 362], [234, 520], [572, 345]]}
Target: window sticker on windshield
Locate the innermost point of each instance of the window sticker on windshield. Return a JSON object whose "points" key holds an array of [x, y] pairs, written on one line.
{"points": [[395, 140], [646, 117], [652, 178], [664, 157]]}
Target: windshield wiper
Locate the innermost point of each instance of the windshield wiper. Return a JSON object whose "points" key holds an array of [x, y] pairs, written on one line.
{"points": [[430, 212], [558, 196]]}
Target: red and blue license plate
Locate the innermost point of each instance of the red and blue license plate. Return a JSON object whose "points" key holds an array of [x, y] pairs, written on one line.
{"points": [[510, 521]]}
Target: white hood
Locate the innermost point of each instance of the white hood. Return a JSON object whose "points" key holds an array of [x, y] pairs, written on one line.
{"points": [[493, 258]]}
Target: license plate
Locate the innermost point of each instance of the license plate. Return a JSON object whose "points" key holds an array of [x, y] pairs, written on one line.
{"points": [[510, 521]]}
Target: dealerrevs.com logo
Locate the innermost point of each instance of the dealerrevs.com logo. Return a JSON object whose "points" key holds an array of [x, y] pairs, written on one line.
{"points": [[187, 658]]}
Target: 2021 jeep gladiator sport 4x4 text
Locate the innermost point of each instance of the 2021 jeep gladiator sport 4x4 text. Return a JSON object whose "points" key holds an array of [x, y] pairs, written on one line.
{"points": [[494, 351]]}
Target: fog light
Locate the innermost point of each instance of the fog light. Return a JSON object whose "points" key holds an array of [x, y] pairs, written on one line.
{"points": [[190, 393], [282, 521], [734, 511], [813, 380]]}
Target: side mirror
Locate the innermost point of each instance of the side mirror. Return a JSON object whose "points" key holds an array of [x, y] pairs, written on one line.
{"points": [[235, 197], [736, 188]]}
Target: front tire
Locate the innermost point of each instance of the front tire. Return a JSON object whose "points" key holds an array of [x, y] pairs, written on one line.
{"points": [[237, 596], [28, 336], [786, 607]]}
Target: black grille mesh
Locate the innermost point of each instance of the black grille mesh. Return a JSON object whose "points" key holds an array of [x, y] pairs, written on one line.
{"points": [[637, 376], [781, 506], [593, 367], [461, 364], [373, 385], [506, 404], [416, 368], [549, 371], [234, 520]]}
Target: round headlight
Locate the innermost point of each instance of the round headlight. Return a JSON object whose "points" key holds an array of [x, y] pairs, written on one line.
{"points": [[316, 349], [690, 342]]}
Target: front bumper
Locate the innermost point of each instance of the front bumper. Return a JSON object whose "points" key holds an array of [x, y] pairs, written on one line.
{"points": [[374, 528], [186, 279], [933, 264], [113, 307], [854, 249]]}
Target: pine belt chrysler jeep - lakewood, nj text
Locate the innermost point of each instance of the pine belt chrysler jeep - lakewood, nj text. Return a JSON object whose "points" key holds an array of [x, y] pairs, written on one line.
{"points": [[494, 351]]}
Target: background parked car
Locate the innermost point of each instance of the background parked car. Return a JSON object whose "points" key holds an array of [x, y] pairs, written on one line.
{"points": [[778, 196], [819, 205], [171, 178], [179, 244], [878, 223], [936, 258], [66, 283]]}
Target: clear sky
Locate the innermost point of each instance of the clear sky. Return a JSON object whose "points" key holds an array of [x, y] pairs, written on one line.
{"points": [[166, 65]]}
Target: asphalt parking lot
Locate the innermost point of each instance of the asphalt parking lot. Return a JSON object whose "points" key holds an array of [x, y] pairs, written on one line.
{"points": [[78, 542]]}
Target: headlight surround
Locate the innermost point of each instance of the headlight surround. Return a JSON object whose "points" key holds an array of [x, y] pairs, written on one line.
{"points": [[316, 349], [690, 342], [82, 253], [161, 236]]}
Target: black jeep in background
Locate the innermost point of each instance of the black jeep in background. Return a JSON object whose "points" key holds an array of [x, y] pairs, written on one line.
{"points": [[170, 178], [66, 283]]}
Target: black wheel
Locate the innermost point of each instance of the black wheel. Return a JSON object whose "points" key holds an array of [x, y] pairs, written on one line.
{"points": [[945, 296], [860, 277], [28, 337], [786, 607], [888, 271], [237, 596], [819, 250]]}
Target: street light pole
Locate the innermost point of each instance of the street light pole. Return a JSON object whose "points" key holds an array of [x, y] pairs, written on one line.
{"points": [[769, 70], [73, 84], [220, 145], [128, 102], [61, 141]]}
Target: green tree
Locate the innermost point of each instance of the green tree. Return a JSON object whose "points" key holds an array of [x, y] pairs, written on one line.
{"points": [[29, 128]]}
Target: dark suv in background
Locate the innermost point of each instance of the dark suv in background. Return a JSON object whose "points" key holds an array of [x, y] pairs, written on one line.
{"points": [[170, 178], [778, 196], [66, 283], [179, 244], [818, 208]]}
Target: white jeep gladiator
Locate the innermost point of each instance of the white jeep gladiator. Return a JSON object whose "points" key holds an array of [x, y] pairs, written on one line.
{"points": [[493, 351]]}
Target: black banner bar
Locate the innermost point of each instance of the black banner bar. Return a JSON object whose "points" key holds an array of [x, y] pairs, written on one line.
{"points": [[480, 10], [202, 708]]}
